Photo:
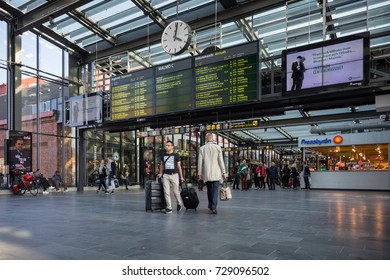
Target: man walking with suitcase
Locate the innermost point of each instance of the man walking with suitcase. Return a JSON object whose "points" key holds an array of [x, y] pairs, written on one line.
{"points": [[211, 169], [171, 173]]}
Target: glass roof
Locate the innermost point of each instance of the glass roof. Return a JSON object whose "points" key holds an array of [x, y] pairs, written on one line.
{"points": [[289, 24], [118, 27]]}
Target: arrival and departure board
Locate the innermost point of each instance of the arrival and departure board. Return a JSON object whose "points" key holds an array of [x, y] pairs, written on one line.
{"points": [[174, 86], [132, 94], [222, 78], [227, 77]]}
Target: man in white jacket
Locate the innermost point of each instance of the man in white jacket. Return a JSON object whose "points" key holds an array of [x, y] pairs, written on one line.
{"points": [[211, 168]]}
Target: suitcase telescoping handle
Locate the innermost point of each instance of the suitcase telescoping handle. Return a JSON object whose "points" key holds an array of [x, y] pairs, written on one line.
{"points": [[183, 185]]}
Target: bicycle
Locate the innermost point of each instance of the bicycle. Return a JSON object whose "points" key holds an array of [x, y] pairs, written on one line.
{"points": [[24, 182]]}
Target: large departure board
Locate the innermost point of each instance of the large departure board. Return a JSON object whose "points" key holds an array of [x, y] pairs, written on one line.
{"points": [[132, 94], [227, 77], [222, 78], [174, 86]]}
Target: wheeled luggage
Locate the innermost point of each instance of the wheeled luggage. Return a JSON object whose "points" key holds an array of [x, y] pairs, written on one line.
{"points": [[154, 196], [190, 198]]}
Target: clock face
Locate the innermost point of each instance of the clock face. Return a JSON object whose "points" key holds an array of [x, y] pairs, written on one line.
{"points": [[176, 37]]}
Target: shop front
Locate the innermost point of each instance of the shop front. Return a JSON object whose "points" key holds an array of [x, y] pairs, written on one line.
{"points": [[356, 161]]}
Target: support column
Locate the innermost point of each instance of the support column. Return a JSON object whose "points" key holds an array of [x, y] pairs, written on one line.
{"points": [[14, 81]]}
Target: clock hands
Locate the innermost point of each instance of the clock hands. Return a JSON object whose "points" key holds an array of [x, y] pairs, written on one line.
{"points": [[175, 35]]}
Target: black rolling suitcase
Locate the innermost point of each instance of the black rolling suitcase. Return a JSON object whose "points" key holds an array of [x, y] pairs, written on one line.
{"points": [[190, 198], [154, 196]]}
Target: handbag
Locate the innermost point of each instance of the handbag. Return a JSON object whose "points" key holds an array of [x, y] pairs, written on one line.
{"points": [[225, 193], [244, 171]]}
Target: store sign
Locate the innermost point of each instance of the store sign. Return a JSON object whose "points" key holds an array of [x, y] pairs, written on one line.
{"points": [[315, 142], [336, 140]]}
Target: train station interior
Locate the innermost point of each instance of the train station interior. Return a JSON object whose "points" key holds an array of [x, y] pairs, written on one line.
{"points": [[87, 79]]}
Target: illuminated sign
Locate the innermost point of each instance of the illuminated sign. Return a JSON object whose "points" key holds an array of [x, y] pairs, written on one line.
{"points": [[321, 141], [174, 86], [333, 62], [244, 124], [85, 109], [337, 139], [227, 76], [317, 141], [132, 95]]}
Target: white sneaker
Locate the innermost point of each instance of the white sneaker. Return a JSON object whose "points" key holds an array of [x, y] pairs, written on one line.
{"points": [[45, 192], [65, 190], [51, 188]]}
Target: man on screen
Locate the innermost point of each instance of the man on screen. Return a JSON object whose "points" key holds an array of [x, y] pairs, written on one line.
{"points": [[76, 112], [19, 157], [298, 73]]}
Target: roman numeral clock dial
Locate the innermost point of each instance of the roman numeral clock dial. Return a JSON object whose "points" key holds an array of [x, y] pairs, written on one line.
{"points": [[176, 37]]}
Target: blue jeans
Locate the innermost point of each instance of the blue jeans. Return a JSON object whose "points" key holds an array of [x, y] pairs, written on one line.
{"points": [[212, 193]]}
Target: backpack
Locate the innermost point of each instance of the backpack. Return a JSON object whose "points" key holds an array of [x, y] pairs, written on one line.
{"points": [[244, 171]]}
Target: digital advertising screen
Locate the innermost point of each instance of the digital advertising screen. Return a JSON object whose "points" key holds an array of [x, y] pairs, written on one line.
{"points": [[335, 62], [19, 155], [77, 111], [85, 109]]}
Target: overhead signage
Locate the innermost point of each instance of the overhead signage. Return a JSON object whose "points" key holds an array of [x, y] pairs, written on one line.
{"points": [[132, 95], [225, 77], [321, 141], [209, 127], [316, 142], [174, 86], [233, 125], [244, 124], [246, 148], [217, 126]]}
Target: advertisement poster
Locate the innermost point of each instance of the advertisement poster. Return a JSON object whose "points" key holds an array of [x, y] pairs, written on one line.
{"points": [[20, 151], [85, 109]]}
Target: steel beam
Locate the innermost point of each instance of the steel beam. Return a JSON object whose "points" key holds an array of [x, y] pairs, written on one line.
{"points": [[45, 12], [95, 28], [151, 12], [224, 16]]}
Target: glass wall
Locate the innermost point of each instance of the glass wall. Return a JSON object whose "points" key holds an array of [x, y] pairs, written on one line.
{"points": [[39, 104], [3, 98], [352, 158], [120, 145]]}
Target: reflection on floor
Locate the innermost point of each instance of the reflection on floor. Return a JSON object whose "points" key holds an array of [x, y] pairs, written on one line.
{"points": [[256, 224]]}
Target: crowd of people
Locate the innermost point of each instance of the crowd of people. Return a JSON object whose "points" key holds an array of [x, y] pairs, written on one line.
{"points": [[107, 176], [258, 175]]}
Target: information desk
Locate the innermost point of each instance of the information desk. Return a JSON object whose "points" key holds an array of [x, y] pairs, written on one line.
{"points": [[350, 180]]}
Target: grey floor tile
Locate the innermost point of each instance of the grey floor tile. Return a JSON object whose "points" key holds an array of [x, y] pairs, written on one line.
{"points": [[263, 225]]}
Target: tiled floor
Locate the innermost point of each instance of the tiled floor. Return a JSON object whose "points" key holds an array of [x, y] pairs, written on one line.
{"points": [[257, 224]]}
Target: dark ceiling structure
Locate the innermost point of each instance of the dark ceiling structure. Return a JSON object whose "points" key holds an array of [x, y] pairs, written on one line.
{"points": [[97, 29]]}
